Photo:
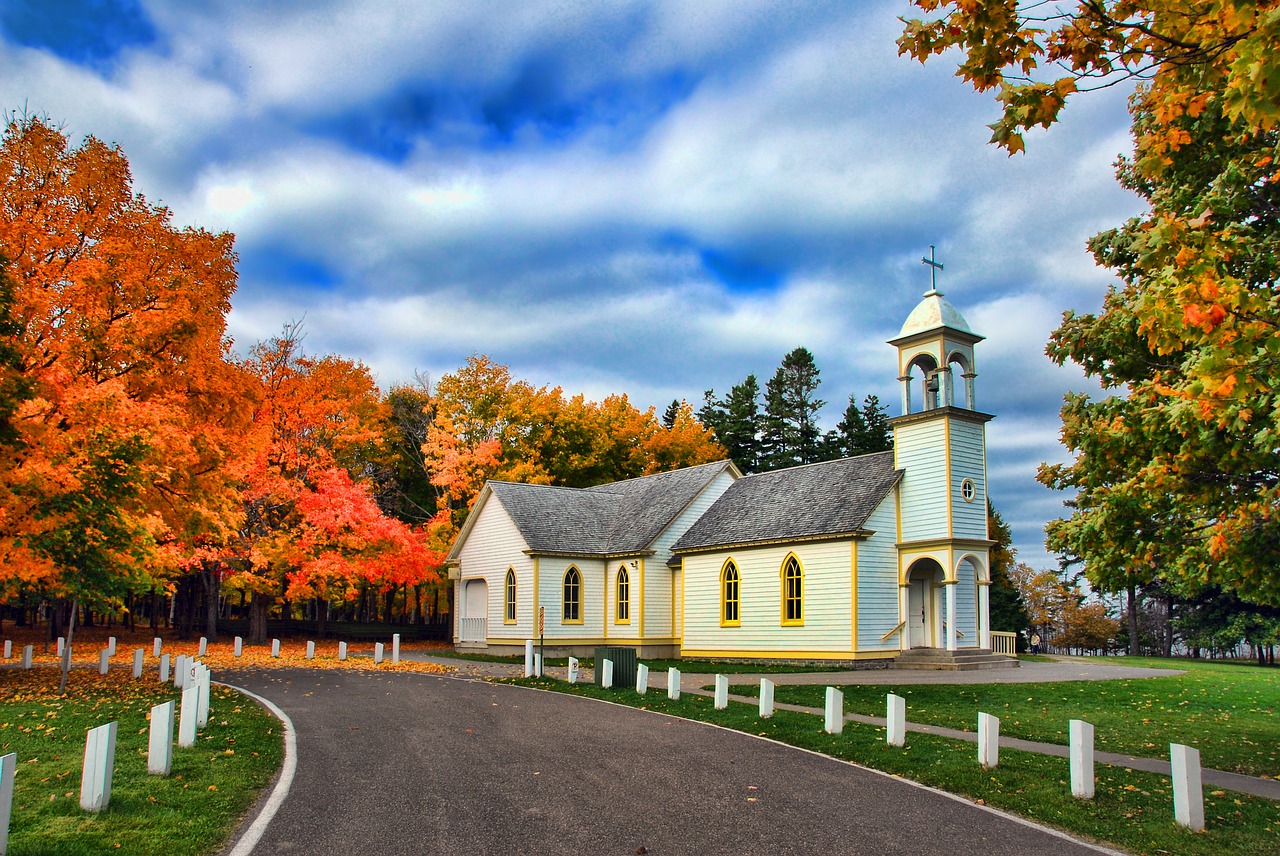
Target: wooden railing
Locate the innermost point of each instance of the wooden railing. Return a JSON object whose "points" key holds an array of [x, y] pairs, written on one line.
{"points": [[1004, 643], [473, 629], [885, 637]]}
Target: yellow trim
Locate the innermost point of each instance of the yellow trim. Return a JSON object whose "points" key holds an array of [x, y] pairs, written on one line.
{"points": [[674, 629], [514, 601], [853, 592], [604, 606], [737, 622], [640, 601], [782, 591], [581, 582], [560, 641], [680, 635], [617, 595], [704, 653]]}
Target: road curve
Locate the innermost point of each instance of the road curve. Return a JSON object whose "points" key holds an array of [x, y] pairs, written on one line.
{"points": [[423, 764]]}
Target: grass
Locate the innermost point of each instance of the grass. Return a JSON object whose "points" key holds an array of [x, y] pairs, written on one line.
{"points": [[1227, 711], [1132, 810], [191, 811]]}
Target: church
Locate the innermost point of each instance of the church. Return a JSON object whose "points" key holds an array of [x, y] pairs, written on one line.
{"points": [[857, 559]]}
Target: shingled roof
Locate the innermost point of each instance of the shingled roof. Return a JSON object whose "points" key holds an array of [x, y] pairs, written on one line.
{"points": [[810, 501], [622, 517]]}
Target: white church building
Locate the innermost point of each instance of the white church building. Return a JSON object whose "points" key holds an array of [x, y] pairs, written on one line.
{"points": [[856, 559]]}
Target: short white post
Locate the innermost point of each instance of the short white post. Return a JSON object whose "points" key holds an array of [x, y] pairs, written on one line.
{"points": [[187, 717], [395, 649], [160, 742], [137, 662], [642, 678], [203, 651], [895, 720], [155, 646], [202, 699], [766, 698], [722, 692], [180, 671], [377, 653], [104, 661], [28, 651], [988, 740], [8, 648], [311, 650], [834, 720], [673, 683], [111, 646], [8, 764], [1081, 759], [164, 669], [573, 670], [606, 673], [275, 648], [528, 658], [1188, 794], [537, 665], [99, 764], [342, 650], [62, 643]]}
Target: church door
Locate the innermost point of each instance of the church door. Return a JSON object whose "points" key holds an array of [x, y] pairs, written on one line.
{"points": [[918, 614]]}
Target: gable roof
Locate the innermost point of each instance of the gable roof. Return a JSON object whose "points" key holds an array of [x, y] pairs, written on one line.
{"points": [[610, 519], [810, 501]]}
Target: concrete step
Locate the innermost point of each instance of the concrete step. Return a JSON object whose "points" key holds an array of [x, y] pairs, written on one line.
{"points": [[962, 659]]}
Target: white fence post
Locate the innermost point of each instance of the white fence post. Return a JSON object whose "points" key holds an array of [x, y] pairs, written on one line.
{"points": [[988, 740], [8, 648], [537, 665], [1188, 794], [1081, 759], [62, 644], [111, 646], [766, 698], [311, 650], [137, 662], [395, 649], [180, 671], [606, 674], [99, 764], [528, 658], [642, 678], [377, 653], [202, 700], [28, 651], [342, 650], [722, 692], [275, 647], [155, 646], [673, 683], [104, 661], [164, 669], [895, 733], [160, 740], [834, 723], [187, 717], [573, 670], [239, 646], [204, 647], [8, 764]]}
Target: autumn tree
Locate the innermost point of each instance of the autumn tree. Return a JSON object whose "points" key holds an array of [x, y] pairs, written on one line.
{"points": [[1006, 610], [1175, 472]]}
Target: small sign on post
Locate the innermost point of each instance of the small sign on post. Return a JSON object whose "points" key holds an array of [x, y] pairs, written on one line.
{"points": [[542, 637], [573, 670], [99, 765]]}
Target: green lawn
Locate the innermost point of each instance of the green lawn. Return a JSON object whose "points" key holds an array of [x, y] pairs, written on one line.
{"points": [[1132, 811], [192, 811], [1227, 711]]}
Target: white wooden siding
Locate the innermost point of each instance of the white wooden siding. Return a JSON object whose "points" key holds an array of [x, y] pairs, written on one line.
{"points": [[966, 607], [921, 452], [493, 545], [624, 631], [827, 622], [591, 597], [967, 461], [878, 581]]}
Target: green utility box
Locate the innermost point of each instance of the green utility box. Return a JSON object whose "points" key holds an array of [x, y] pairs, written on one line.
{"points": [[624, 666]]}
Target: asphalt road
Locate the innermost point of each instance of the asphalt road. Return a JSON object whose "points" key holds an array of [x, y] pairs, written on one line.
{"points": [[422, 764]]}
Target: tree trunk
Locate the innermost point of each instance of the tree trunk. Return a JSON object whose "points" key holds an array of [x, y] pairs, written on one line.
{"points": [[1134, 648], [211, 578], [1168, 625], [66, 649], [258, 619], [322, 614]]}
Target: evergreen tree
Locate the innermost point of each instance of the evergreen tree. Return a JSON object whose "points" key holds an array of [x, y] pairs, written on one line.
{"points": [[777, 437], [740, 431], [876, 436], [1005, 607], [851, 430], [672, 412], [791, 430]]}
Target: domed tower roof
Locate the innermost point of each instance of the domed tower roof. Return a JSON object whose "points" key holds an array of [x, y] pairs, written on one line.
{"points": [[932, 313]]}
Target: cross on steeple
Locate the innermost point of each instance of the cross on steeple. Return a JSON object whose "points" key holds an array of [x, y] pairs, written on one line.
{"points": [[934, 267]]}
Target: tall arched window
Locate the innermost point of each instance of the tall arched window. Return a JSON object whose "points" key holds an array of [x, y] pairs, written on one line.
{"points": [[509, 589], [730, 594], [571, 602], [623, 610], [792, 591]]}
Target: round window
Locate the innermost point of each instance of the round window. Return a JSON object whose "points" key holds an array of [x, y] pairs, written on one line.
{"points": [[968, 490]]}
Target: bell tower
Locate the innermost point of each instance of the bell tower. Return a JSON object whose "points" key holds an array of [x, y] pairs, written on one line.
{"points": [[940, 443]]}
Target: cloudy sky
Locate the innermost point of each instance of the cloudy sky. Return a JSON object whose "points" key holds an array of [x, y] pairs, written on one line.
{"points": [[654, 198]]}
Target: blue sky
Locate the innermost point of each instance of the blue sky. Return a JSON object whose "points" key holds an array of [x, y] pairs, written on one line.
{"points": [[654, 198]]}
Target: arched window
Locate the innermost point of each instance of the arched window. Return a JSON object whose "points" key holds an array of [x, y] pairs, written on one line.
{"points": [[792, 591], [623, 610], [509, 588], [730, 596], [571, 601]]}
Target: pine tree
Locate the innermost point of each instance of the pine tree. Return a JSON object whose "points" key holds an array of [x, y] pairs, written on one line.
{"points": [[1006, 610], [740, 431], [876, 436], [851, 430], [791, 428], [671, 414], [777, 437]]}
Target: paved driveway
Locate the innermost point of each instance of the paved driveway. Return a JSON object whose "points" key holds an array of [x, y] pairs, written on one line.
{"points": [[422, 764]]}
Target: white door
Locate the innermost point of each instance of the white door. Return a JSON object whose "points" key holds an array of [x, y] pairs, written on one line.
{"points": [[917, 614]]}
